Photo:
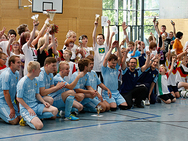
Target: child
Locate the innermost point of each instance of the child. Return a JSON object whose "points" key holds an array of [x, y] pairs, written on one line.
{"points": [[16, 51], [27, 47], [67, 55], [162, 89], [100, 49]]}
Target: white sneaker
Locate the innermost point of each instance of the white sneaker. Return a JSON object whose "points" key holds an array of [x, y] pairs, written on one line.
{"points": [[147, 103], [183, 94]]}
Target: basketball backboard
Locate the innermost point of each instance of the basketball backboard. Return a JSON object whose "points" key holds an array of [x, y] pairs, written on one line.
{"points": [[39, 6]]}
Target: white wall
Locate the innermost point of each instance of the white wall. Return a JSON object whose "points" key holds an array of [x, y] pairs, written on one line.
{"points": [[173, 9]]}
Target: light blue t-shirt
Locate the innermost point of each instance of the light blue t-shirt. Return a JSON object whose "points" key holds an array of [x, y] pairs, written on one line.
{"points": [[8, 81], [94, 79], [110, 77], [45, 80], [57, 79], [82, 82], [27, 90], [137, 53]]}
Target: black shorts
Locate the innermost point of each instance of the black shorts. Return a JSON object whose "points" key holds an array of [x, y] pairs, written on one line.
{"points": [[173, 88], [166, 97]]}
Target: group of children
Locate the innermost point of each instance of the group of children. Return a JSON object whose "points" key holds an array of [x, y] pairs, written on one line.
{"points": [[67, 80]]}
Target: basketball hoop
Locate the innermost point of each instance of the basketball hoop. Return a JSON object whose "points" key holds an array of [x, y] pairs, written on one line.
{"points": [[51, 13]]}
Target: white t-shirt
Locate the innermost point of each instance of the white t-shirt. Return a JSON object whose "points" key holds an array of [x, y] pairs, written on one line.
{"points": [[172, 77], [180, 77], [162, 87], [87, 50], [29, 56], [3, 45], [100, 53]]}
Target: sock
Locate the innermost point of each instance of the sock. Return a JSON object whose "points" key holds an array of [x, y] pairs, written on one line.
{"points": [[74, 109], [68, 105]]}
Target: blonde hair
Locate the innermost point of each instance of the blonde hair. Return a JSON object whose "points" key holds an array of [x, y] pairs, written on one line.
{"points": [[41, 42], [33, 65], [163, 67], [70, 53], [61, 64], [70, 33]]}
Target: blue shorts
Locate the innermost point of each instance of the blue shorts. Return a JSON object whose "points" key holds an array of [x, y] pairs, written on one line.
{"points": [[90, 102], [58, 102], [116, 97], [37, 109], [172, 88], [5, 112]]}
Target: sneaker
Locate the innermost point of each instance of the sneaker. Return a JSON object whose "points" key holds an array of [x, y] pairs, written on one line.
{"points": [[139, 106], [147, 103], [22, 122], [75, 113], [71, 117]]}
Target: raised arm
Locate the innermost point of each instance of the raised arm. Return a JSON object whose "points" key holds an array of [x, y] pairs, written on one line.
{"points": [[110, 41], [11, 39], [35, 24], [41, 32], [172, 65], [154, 40], [145, 66], [2, 32], [174, 29], [119, 55], [54, 49], [123, 67], [108, 33], [156, 27], [124, 26], [46, 43], [53, 42], [94, 33], [114, 44]]}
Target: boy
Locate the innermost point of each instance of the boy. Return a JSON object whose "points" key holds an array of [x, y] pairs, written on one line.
{"points": [[162, 88], [28, 97], [110, 75], [46, 82], [84, 86], [3, 59], [9, 79], [100, 49], [64, 98]]}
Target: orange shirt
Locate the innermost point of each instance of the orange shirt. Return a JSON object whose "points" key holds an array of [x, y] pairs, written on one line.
{"points": [[178, 46]]}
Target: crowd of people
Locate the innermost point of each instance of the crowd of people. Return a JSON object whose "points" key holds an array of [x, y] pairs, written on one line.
{"points": [[38, 81]]}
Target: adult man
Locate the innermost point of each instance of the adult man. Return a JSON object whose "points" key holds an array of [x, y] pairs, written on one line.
{"points": [[9, 111], [128, 89], [46, 82], [28, 96], [84, 86], [64, 98]]}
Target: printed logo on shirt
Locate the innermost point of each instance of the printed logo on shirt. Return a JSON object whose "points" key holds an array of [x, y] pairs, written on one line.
{"points": [[86, 79], [101, 50], [16, 77], [50, 78], [153, 75], [135, 75], [94, 76], [36, 84]]}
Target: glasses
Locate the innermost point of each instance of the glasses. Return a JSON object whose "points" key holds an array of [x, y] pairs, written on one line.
{"points": [[133, 62], [4, 59]]}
